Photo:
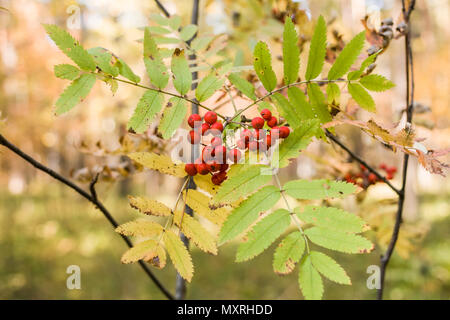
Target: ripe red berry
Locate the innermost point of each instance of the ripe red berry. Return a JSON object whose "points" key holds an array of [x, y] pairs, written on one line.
{"points": [[259, 134], [253, 145], [257, 123], [202, 168], [272, 122], [205, 127], [284, 132], [275, 133], [194, 137], [224, 167], [390, 176], [268, 141], [222, 176], [220, 154], [217, 126], [190, 169], [215, 179], [207, 153], [194, 119], [391, 170], [266, 114], [210, 117], [246, 135], [372, 178], [216, 141], [234, 155], [213, 166], [383, 166], [241, 144]]}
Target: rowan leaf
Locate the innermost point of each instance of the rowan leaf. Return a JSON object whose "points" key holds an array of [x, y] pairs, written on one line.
{"points": [[309, 280], [347, 57], [287, 110], [361, 96], [173, 116], [75, 93], [302, 107], [333, 93], [263, 234], [158, 162], [247, 213], [201, 43], [140, 228], [318, 103], [147, 108], [188, 32], [149, 206], [263, 66], [174, 22], [70, 47], [332, 218], [288, 253], [156, 69], [291, 52], [66, 71], [376, 82], [242, 85], [205, 183], [329, 268], [207, 87], [318, 189], [148, 250], [125, 71], [317, 50], [182, 76], [198, 202], [339, 241], [242, 180], [179, 255], [198, 235], [103, 59]]}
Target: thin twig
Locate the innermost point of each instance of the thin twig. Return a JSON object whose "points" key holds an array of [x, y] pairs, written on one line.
{"points": [[162, 8], [92, 197]]}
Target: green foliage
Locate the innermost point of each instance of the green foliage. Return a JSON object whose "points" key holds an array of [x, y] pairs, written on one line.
{"points": [[339, 241], [317, 50], [103, 61], [154, 64], [247, 212], [376, 82], [319, 106], [361, 96], [207, 87], [288, 253], [329, 268], [309, 280], [333, 93], [125, 71], [66, 71], [263, 234], [318, 189], [242, 85], [347, 57], [148, 106], [302, 107], [287, 110], [188, 32], [75, 93], [263, 66], [182, 77], [173, 116], [291, 53]]}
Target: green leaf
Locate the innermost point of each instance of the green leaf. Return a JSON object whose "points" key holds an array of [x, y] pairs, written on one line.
{"points": [[148, 106], [309, 280], [172, 117], [182, 76], [201, 43], [333, 93], [362, 97], [179, 255], [376, 82], [159, 19], [339, 241], [288, 253], [247, 212], [301, 105], [317, 50], [75, 93], [70, 47], [368, 61], [66, 71], [188, 32], [291, 52], [263, 234], [242, 180], [103, 60], [156, 70], [158, 30], [319, 106], [125, 71], [175, 22], [263, 66], [329, 268], [207, 87], [318, 189], [287, 110], [265, 105], [347, 57], [242, 85], [331, 218], [297, 141]]}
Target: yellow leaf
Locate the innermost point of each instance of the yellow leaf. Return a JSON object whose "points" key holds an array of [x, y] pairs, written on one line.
{"points": [[179, 255], [158, 162], [146, 250], [140, 228], [199, 202], [205, 183], [193, 230], [149, 206]]}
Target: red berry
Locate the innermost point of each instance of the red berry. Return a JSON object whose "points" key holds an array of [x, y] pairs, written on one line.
{"points": [[363, 167], [224, 167], [391, 170], [216, 141], [241, 144], [210, 117], [383, 166], [190, 169], [194, 119], [253, 145], [222, 176], [207, 153], [234, 155], [257, 123], [194, 137], [258, 134], [217, 126], [272, 122], [215, 179], [372, 178], [266, 114], [205, 128], [246, 135], [389, 176], [213, 166], [275, 133], [202, 168], [284, 132], [268, 141], [220, 154]]}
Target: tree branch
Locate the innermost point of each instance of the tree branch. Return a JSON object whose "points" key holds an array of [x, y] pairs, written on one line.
{"points": [[91, 197], [162, 8]]}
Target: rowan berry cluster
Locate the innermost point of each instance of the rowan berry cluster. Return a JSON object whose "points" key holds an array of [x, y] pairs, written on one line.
{"points": [[364, 178], [215, 156]]}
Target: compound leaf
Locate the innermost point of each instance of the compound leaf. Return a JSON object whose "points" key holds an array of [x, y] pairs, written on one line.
{"points": [[347, 57], [75, 93], [148, 106]]}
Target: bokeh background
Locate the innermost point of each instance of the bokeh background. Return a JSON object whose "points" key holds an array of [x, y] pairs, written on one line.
{"points": [[44, 227]]}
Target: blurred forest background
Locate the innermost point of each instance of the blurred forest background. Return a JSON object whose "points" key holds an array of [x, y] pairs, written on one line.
{"points": [[45, 227]]}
